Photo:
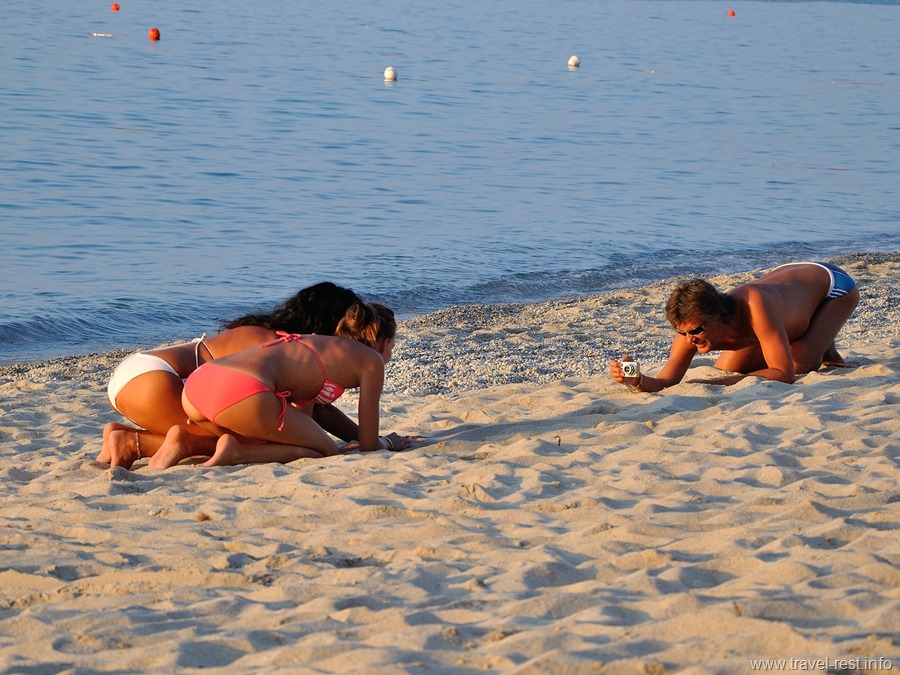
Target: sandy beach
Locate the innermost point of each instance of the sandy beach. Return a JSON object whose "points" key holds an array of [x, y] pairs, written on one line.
{"points": [[552, 522]]}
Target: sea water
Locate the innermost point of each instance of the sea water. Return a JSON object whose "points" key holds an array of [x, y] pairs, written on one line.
{"points": [[150, 190]]}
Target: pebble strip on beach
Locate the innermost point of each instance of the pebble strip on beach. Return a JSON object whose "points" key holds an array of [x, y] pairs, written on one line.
{"points": [[479, 346]]}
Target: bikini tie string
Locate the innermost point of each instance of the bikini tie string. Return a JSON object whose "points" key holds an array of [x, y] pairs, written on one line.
{"points": [[283, 395]]}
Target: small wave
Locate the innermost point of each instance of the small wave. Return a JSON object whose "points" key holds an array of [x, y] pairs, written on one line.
{"points": [[137, 323], [117, 324], [627, 271]]}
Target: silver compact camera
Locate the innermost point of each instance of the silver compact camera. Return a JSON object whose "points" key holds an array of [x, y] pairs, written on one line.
{"points": [[630, 369]]}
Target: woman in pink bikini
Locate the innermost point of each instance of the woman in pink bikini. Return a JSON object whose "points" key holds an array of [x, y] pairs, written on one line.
{"points": [[146, 387], [259, 401]]}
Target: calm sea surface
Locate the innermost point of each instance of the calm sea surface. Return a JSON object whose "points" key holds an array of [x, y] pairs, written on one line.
{"points": [[150, 190]]}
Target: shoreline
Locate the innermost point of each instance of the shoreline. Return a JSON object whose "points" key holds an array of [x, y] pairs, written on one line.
{"points": [[476, 346]]}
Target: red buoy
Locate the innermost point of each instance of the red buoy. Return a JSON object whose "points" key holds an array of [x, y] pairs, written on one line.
{"points": [[153, 33]]}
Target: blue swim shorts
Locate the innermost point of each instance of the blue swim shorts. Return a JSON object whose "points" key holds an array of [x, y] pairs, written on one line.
{"points": [[841, 282]]}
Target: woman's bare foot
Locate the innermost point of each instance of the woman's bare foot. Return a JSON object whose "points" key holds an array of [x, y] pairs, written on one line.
{"points": [[179, 445], [228, 452], [107, 449], [120, 445]]}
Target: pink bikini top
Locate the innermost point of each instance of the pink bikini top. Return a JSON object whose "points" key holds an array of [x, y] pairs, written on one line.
{"points": [[331, 391]]}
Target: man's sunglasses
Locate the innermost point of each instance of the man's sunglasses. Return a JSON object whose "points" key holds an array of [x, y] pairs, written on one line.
{"points": [[693, 331]]}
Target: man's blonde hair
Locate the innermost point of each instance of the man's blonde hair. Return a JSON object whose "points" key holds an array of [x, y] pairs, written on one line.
{"points": [[699, 299]]}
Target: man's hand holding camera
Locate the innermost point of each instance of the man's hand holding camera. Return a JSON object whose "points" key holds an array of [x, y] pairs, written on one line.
{"points": [[627, 372]]}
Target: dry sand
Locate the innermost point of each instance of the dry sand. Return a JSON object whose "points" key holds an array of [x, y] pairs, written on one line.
{"points": [[554, 522]]}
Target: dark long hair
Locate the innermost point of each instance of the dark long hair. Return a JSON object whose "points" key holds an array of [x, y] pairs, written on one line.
{"points": [[316, 309]]}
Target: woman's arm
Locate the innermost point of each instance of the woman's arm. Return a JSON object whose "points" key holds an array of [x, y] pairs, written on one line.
{"points": [[335, 422], [371, 383]]}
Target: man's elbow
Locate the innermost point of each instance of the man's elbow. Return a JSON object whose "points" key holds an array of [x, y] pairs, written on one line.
{"points": [[784, 376], [776, 375]]}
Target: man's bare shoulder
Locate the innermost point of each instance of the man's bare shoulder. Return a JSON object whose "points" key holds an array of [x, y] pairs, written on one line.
{"points": [[761, 301]]}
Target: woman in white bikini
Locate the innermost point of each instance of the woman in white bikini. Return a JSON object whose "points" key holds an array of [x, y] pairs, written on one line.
{"points": [[146, 388]]}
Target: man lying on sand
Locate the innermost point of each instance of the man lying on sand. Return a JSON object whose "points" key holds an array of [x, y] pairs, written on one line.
{"points": [[776, 327]]}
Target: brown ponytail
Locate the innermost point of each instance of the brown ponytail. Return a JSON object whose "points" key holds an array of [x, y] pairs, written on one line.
{"points": [[367, 323]]}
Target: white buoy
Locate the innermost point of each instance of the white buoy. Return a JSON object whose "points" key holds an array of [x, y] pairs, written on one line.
{"points": [[390, 74], [574, 61]]}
